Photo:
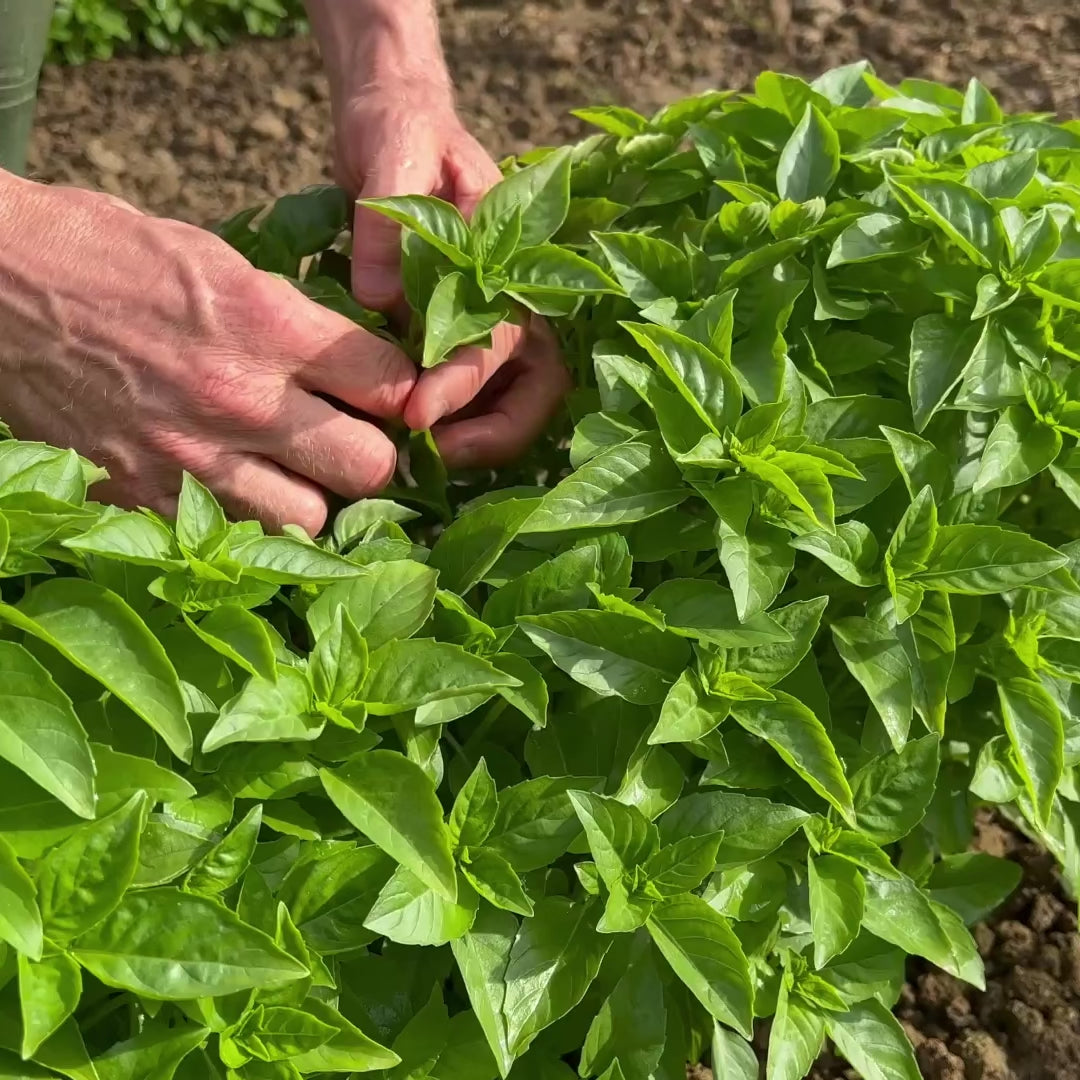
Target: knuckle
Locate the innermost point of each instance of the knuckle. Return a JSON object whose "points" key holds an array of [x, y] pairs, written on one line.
{"points": [[227, 392], [392, 377], [377, 466], [173, 451]]}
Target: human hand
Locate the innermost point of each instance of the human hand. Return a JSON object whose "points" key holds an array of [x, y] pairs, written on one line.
{"points": [[485, 405], [151, 347], [402, 138]]}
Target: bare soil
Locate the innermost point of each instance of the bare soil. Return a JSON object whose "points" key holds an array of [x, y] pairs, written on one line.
{"points": [[204, 136], [1026, 1025]]}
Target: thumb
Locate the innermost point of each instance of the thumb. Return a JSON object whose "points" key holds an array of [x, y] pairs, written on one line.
{"points": [[376, 260]]}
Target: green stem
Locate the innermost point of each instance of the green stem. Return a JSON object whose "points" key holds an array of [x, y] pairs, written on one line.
{"points": [[24, 28], [485, 725], [707, 565], [104, 1010], [456, 746]]}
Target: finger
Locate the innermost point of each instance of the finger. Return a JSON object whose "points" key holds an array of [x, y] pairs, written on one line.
{"points": [[361, 369], [523, 410], [253, 487], [317, 442], [448, 388], [473, 174], [400, 169]]}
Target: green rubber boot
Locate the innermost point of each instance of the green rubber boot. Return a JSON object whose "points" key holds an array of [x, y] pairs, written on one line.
{"points": [[24, 30]]}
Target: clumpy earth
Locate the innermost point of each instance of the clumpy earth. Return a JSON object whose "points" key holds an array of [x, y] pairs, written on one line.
{"points": [[202, 137], [1026, 1025]]}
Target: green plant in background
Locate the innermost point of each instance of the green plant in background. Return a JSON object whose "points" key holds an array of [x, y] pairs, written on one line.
{"points": [[592, 764], [96, 29]]}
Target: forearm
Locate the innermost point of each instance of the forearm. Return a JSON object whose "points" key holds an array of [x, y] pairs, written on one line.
{"points": [[378, 43]]}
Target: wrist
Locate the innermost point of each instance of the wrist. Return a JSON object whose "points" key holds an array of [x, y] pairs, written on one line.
{"points": [[373, 46]]}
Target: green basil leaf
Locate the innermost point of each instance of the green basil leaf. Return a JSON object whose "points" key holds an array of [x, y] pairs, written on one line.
{"points": [[40, 732], [438, 223], [81, 880], [100, 634], [20, 917], [705, 954], [406, 674], [540, 192], [554, 959], [898, 912], [629, 482], [169, 946], [388, 601], [389, 799], [796, 1039], [810, 160], [410, 912], [871, 1038], [797, 735], [837, 891], [49, 992], [1034, 726], [611, 653], [449, 323]]}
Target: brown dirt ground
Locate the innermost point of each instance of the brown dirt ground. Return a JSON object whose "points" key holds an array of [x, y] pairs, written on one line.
{"points": [[1026, 1026], [202, 137]]}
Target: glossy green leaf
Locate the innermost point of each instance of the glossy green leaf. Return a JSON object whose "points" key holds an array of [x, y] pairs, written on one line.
{"points": [[796, 1038], [405, 674], [611, 653], [240, 636], [40, 733], [705, 954], [555, 957], [628, 483], [985, 560], [81, 880], [100, 634], [390, 600], [892, 791], [166, 945], [797, 735], [20, 917], [836, 905], [1034, 726], [49, 992], [410, 912], [810, 159], [871, 1038], [482, 955], [435, 221], [469, 547], [540, 191], [896, 910], [620, 837], [876, 658], [391, 801], [225, 863], [449, 324]]}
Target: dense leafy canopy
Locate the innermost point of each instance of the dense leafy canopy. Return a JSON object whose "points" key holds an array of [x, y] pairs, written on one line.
{"points": [[82, 30], [590, 765]]}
